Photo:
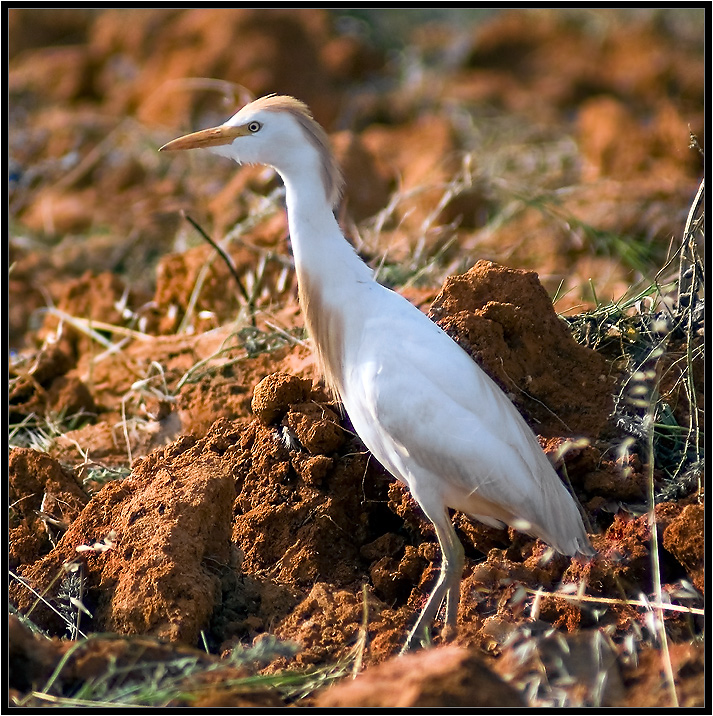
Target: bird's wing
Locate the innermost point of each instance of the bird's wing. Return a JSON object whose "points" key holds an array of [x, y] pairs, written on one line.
{"points": [[401, 349], [434, 418]]}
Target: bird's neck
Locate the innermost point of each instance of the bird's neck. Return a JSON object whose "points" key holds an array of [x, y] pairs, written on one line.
{"points": [[318, 243], [330, 275]]}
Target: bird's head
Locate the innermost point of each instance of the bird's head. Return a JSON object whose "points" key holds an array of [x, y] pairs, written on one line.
{"points": [[277, 131]]}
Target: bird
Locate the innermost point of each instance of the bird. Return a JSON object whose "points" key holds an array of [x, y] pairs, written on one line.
{"points": [[419, 403]]}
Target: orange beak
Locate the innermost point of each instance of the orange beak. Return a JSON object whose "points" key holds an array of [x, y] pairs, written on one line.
{"points": [[214, 137]]}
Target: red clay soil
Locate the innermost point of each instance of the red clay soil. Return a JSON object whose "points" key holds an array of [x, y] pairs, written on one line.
{"points": [[202, 490], [274, 523]]}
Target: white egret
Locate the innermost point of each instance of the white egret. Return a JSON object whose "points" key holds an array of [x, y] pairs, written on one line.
{"points": [[417, 400]]}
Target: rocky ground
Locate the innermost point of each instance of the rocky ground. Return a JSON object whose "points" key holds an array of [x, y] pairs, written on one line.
{"points": [[192, 519]]}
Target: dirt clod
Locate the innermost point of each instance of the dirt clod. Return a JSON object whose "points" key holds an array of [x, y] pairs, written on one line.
{"points": [[46, 498], [442, 677], [682, 538], [274, 394]]}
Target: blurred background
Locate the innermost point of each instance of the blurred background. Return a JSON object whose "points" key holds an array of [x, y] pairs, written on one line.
{"points": [[553, 140]]}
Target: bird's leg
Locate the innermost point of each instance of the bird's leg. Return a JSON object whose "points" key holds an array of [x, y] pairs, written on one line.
{"points": [[447, 586], [453, 559], [453, 591]]}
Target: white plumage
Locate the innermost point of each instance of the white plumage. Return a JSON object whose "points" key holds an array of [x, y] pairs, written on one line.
{"points": [[419, 403]]}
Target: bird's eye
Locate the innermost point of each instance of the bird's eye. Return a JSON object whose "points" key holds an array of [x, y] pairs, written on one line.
{"points": [[254, 127]]}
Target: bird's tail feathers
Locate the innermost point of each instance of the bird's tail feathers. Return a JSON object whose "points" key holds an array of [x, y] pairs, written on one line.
{"points": [[552, 516], [560, 524]]}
